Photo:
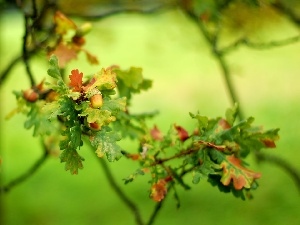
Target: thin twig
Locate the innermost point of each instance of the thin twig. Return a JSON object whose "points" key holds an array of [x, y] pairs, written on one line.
{"points": [[23, 177], [11, 65], [212, 41], [229, 84], [259, 46], [25, 50], [34, 9], [138, 8], [130, 204]]}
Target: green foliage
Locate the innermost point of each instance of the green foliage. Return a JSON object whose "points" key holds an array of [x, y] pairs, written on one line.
{"points": [[39, 120], [213, 151], [104, 142], [131, 81], [72, 159], [99, 109]]}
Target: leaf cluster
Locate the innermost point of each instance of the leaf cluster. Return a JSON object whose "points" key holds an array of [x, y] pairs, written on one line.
{"points": [[69, 40], [213, 151], [76, 109], [98, 109]]}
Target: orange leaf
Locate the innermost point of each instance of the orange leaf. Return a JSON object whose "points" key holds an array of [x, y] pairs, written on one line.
{"points": [[234, 171], [64, 53], [133, 156], [76, 80], [159, 190]]}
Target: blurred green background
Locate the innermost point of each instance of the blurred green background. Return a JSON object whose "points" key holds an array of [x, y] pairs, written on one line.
{"points": [[172, 53]]}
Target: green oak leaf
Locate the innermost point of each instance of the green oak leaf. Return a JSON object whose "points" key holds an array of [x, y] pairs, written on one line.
{"points": [[114, 105], [231, 114], [104, 142], [73, 161], [39, 120], [54, 70], [131, 81], [102, 117], [131, 78]]}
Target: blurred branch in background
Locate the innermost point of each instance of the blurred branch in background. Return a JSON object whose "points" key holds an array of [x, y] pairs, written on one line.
{"points": [[25, 176], [290, 8], [287, 167], [259, 46]]}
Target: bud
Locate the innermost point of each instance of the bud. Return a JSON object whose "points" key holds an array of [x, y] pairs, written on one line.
{"points": [[30, 95], [78, 40], [83, 29]]}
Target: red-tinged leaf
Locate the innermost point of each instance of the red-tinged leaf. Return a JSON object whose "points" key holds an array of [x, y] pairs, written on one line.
{"points": [[159, 190], [134, 156], [64, 53], [269, 143], [63, 23], [224, 124], [156, 134], [182, 133], [90, 85], [40, 86], [76, 80], [235, 172], [104, 80]]}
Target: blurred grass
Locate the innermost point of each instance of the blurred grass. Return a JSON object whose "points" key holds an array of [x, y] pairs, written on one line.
{"points": [[171, 51]]}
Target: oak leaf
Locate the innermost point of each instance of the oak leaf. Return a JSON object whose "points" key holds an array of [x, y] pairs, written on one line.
{"points": [[156, 134], [63, 23], [234, 171], [182, 133], [159, 190], [103, 80], [76, 80], [64, 53]]}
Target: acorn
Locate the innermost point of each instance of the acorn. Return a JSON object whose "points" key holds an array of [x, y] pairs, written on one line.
{"points": [[96, 101], [94, 126]]}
